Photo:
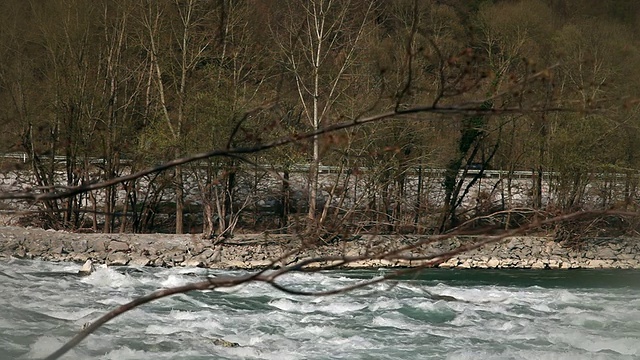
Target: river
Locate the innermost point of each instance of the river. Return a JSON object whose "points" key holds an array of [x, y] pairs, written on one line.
{"points": [[497, 314]]}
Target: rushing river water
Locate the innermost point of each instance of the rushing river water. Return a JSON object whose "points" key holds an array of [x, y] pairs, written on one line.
{"points": [[507, 314]]}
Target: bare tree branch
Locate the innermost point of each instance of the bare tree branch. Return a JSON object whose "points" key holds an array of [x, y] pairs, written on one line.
{"points": [[327, 263], [398, 114]]}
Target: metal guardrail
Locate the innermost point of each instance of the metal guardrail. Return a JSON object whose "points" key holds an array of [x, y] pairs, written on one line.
{"points": [[20, 156], [58, 158], [328, 169]]}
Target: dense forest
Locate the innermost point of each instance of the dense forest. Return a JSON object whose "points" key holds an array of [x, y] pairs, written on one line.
{"points": [[552, 84]]}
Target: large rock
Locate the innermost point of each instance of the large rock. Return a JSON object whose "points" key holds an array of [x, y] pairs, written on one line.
{"points": [[139, 260], [538, 264], [87, 268], [39, 247], [554, 264], [79, 257], [493, 263], [451, 263], [196, 247], [79, 246], [626, 256], [606, 253], [196, 261], [217, 255], [99, 246], [158, 262], [206, 253], [117, 246], [597, 264], [224, 343], [117, 259]]}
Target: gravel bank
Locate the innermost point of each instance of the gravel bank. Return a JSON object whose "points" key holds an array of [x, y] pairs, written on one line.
{"points": [[257, 251]]}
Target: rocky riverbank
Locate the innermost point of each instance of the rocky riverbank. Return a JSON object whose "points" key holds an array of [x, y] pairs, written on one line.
{"points": [[257, 251]]}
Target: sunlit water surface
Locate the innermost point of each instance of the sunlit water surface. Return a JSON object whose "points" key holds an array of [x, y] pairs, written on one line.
{"points": [[580, 314]]}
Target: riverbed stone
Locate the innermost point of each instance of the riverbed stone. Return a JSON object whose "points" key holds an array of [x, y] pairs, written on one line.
{"points": [[116, 246], [98, 246], [139, 260], [79, 257], [224, 343], [554, 264], [177, 258], [536, 249], [606, 253], [538, 264], [626, 256], [196, 261], [451, 263], [216, 256], [158, 262], [67, 245], [206, 253], [20, 253], [196, 247], [117, 259], [596, 264], [80, 246], [87, 268], [234, 264], [493, 263], [186, 250]]}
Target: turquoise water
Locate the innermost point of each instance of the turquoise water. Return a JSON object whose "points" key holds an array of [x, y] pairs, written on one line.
{"points": [[506, 314]]}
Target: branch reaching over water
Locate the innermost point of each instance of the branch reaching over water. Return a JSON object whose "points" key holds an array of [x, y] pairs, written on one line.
{"points": [[270, 274]]}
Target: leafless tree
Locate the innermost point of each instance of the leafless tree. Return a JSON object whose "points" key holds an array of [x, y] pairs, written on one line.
{"points": [[426, 83]]}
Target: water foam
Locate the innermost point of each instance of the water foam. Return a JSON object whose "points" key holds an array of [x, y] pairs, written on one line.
{"points": [[175, 280], [72, 314], [125, 353], [335, 307], [490, 322], [395, 320], [595, 344], [110, 278], [44, 345]]}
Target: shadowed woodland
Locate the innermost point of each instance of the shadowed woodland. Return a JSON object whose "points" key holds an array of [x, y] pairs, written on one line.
{"points": [[141, 98], [544, 86]]}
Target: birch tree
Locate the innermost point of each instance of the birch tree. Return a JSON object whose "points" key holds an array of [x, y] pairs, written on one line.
{"points": [[175, 48], [320, 41]]}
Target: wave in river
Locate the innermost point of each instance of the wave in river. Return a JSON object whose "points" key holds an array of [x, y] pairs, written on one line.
{"points": [[480, 314]]}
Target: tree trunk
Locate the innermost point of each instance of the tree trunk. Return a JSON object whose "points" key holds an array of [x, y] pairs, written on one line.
{"points": [[416, 216], [179, 191], [284, 214]]}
